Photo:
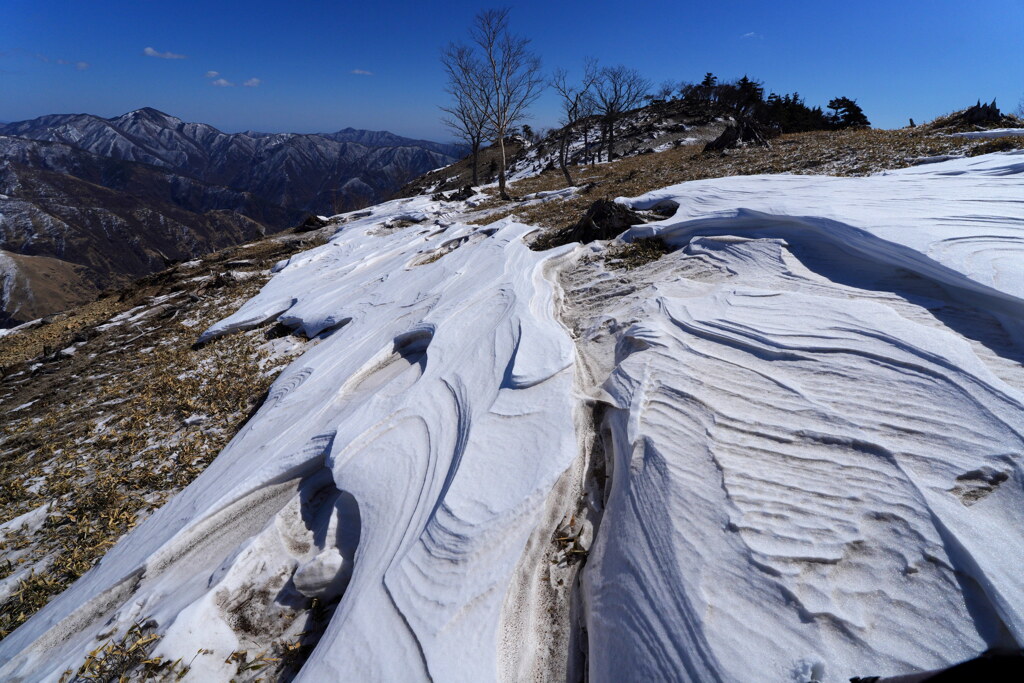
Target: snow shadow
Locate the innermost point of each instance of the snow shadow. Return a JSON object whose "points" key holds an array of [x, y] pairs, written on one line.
{"points": [[970, 314], [855, 258]]}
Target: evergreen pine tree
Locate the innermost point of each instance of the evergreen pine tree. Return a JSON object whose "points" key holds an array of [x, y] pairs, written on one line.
{"points": [[847, 113], [708, 86]]}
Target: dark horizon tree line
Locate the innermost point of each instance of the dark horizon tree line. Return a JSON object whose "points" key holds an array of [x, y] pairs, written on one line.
{"points": [[789, 113]]}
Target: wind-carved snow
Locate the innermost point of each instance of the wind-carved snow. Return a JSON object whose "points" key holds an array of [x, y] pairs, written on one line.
{"points": [[436, 409], [817, 433], [813, 431]]}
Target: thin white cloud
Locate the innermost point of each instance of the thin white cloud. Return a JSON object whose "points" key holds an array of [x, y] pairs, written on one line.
{"points": [[221, 83], [150, 52], [81, 66], [252, 83], [752, 34], [361, 72], [212, 74]]}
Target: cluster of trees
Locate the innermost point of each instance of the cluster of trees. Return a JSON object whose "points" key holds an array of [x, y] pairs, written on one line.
{"points": [[791, 115], [496, 77], [493, 80], [746, 98], [607, 93]]}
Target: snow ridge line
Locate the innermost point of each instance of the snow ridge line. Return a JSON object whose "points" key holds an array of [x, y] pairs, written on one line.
{"points": [[809, 229]]}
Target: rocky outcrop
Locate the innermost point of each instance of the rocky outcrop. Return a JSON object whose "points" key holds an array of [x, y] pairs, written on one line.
{"points": [[977, 117], [739, 132]]}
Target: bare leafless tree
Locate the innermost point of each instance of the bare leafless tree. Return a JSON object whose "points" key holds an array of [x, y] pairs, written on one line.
{"points": [[666, 90], [618, 89], [577, 103], [466, 116], [512, 74]]}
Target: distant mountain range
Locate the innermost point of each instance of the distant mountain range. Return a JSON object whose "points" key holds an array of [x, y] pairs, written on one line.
{"points": [[87, 202]]}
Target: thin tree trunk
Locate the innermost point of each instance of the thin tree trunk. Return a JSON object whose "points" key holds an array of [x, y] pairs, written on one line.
{"points": [[476, 158], [501, 171], [563, 152]]}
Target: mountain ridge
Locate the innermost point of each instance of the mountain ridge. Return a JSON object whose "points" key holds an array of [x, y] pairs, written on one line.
{"points": [[120, 197], [316, 164]]}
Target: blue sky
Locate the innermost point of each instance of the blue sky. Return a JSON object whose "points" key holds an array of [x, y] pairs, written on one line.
{"points": [[322, 66]]}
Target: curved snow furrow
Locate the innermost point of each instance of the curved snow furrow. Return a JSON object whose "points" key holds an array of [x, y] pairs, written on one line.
{"points": [[431, 427], [999, 288], [778, 340]]}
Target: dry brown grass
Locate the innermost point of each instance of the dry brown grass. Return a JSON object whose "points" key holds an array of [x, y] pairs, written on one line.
{"points": [[55, 334], [998, 145], [125, 658], [104, 441], [635, 253]]}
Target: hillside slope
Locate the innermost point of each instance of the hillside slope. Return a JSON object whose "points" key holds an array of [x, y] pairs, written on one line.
{"points": [[785, 446], [663, 143]]}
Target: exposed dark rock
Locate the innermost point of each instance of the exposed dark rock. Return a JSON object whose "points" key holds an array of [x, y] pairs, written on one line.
{"points": [[311, 223], [221, 280], [729, 138], [744, 130], [604, 220], [982, 113], [993, 666], [463, 194]]}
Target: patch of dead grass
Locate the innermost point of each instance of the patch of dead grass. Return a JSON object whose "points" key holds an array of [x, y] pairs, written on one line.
{"points": [[106, 435], [1006, 144], [636, 253]]}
